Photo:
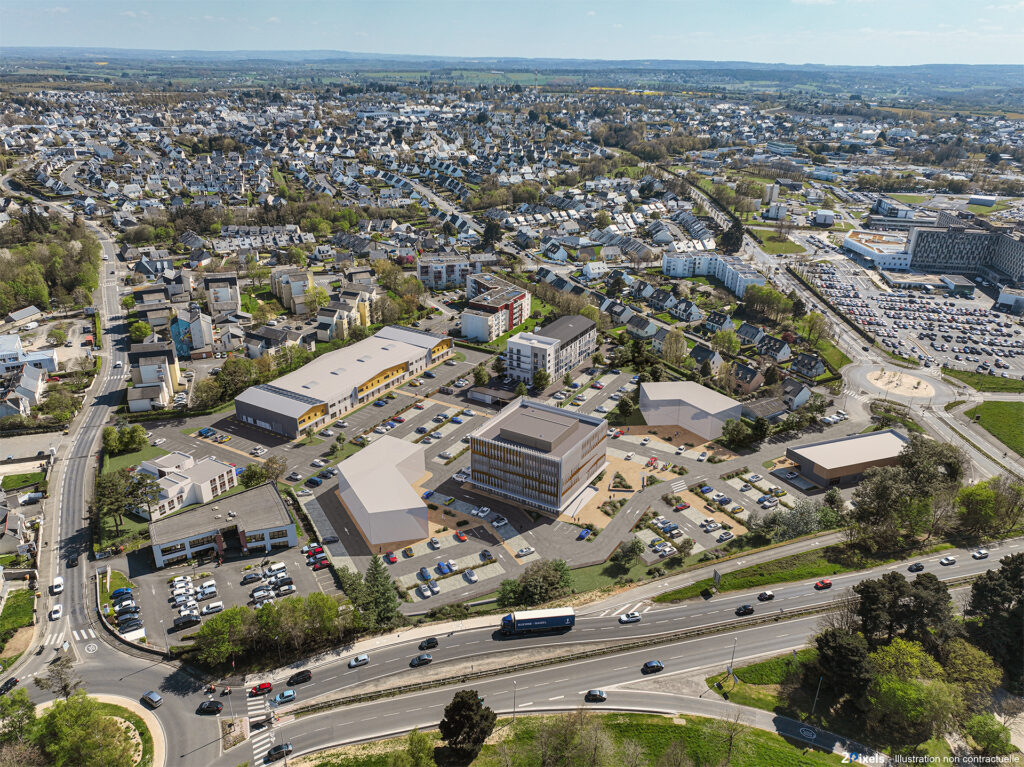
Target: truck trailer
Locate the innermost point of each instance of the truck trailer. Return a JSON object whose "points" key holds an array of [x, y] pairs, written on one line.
{"points": [[537, 621]]}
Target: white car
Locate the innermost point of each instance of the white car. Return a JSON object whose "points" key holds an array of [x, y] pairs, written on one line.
{"points": [[304, 492], [630, 618], [56, 612], [317, 463], [601, 409], [525, 551], [444, 454], [980, 554], [645, 440], [754, 478], [471, 576], [498, 522], [424, 591], [946, 561], [469, 412], [58, 585], [483, 511], [629, 456], [157, 442]]}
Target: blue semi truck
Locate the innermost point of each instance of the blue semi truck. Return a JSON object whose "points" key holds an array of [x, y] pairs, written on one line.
{"points": [[537, 621]]}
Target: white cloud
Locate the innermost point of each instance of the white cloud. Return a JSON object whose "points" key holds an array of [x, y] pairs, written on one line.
{"points": [[273, 20], [129, 14], [591, 13]]}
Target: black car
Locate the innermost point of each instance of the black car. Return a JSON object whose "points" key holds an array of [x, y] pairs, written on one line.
{"points": [[299, 677], [251, 578], [8, 685], [428, 644], [486, 555], [127, 626], [595, 696], [279, 751], [128, 614], [73, 560], [916, 567], [745, 610], [421, 660], [210, 707]]}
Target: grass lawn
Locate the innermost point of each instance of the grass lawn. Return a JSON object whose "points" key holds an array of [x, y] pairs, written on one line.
{"points": [[697, 738], [12, 481], [983, 382], [17, 610], [776, 247], [1004, 421], [822, 563], [132, 529], [833, 354], [985, 210], [125, 460], [911, 199], [636, 418], [118, 580], [110, 709]]}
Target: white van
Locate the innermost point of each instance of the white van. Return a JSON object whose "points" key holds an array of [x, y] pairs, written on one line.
{"points": [[208, 585], [182, 591], [58, 585], [213, 607], [274, 569]]}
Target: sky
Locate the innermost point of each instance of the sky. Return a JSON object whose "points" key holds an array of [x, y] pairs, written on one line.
{"points": [[858, 32]]}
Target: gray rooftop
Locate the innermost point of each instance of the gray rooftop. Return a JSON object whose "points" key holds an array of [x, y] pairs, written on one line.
{"points": [[539, 427], [568, 328], [856, 449], [255, 509]]}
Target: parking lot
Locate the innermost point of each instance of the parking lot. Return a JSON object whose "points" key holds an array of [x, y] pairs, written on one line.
{"points": [[936, 330], [154, 592]]}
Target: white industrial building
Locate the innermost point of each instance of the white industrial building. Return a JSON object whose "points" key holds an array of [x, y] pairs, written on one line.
{"points": [[887, 250], [375, 487], [688, 405]]}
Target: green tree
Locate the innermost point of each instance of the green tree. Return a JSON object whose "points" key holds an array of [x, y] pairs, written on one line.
{"points": [[567, 379], [911, 711], [603, 219], [317, 297], [879, 607], [843, 663], [382, 600], [128, 302], [252, 475], [732, 240], [995, 612], [492, 234], [418, 752], [972, 671], [498, 366], [139, 332], [761, 429], [905, 660], [17, 716], [990, 736], [976, 508], [521, 390], [207, 393], [772, 375], [75, 734], [224, 636], [480, 376], [735, 433], [629, 553], [275, 467], [56, 335], [545, 580], [467, 724], [509, 594], [541, 380], [626, 407], [726, 341], [674, 348], [597, 359], [60, 679]]}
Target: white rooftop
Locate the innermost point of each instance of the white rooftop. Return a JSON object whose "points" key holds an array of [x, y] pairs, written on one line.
{"points": [[691, 393]]}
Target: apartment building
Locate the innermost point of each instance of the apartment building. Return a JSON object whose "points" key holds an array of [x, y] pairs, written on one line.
{"points": [[340, 381], [440, 270], [562, 346], [537, 455], [732, 272], [252, 520], [495, 307], [290, 287], [155, 375], [185, 481], [222, 294]]}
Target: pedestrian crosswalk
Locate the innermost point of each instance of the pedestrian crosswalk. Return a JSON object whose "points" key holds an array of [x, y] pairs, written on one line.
{"points": [[262, 739], [83, 635], [679, 484]]}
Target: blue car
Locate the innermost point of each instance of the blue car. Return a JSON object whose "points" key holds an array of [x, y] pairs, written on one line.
{"points": [[391, 424], [634, 379], [120, 593], [284, 697], [707, 489], [421, 429], [456, 419], [763, 498], [615, 371], [724, 501], [429, 374], [425, 574], [584, 534], [442, 567], [427, 494], [380, 403]]}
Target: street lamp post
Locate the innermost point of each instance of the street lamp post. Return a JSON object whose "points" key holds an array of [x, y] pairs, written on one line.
{"points": [[514, 689]]}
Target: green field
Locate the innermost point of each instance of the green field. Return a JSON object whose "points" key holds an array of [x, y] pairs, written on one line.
{"points": [[1004, 421], [986, 210], [911, 199], [697, 740], [131, 459], [12, 481], [778, 247], [983, 382]]}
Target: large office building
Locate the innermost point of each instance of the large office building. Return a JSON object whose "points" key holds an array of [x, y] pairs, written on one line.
{"points": [[846, 459], [184, 481], [730, 270], [375, 487], [562, 346], [339, 381], [537, 455], [255, 519], [688, 405]]}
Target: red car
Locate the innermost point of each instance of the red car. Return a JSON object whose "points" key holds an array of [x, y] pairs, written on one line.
{"points": [[418, 406], [683, 505], [262, 688], [597, 386], [398, 419], [619, 433], [323, 564], [389, 556], [824, 583], [460, 536]]}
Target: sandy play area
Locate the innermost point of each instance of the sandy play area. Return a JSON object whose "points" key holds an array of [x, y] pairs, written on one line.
{"points": [[898, 382]]}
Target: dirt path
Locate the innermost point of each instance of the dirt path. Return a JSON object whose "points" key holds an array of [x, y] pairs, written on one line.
{"points": [[18, 643]]}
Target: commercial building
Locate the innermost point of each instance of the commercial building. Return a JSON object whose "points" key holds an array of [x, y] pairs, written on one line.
{"points": [[339, 381], [959, 246], [495, 307], [255, 519], [781, 148], [836, 461], [538, 455], [375, 487], [155, 375], [736, 275], [557, 348], [185, 481], [688, 405], [13, 356], [886, 251]]}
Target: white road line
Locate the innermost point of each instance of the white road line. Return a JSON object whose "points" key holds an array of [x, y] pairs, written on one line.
{"points": [[619, 610], [557, 697], [75, 635]]}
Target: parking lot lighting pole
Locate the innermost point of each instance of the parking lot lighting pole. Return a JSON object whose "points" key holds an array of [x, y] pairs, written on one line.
{"points": [[514, 688]]}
